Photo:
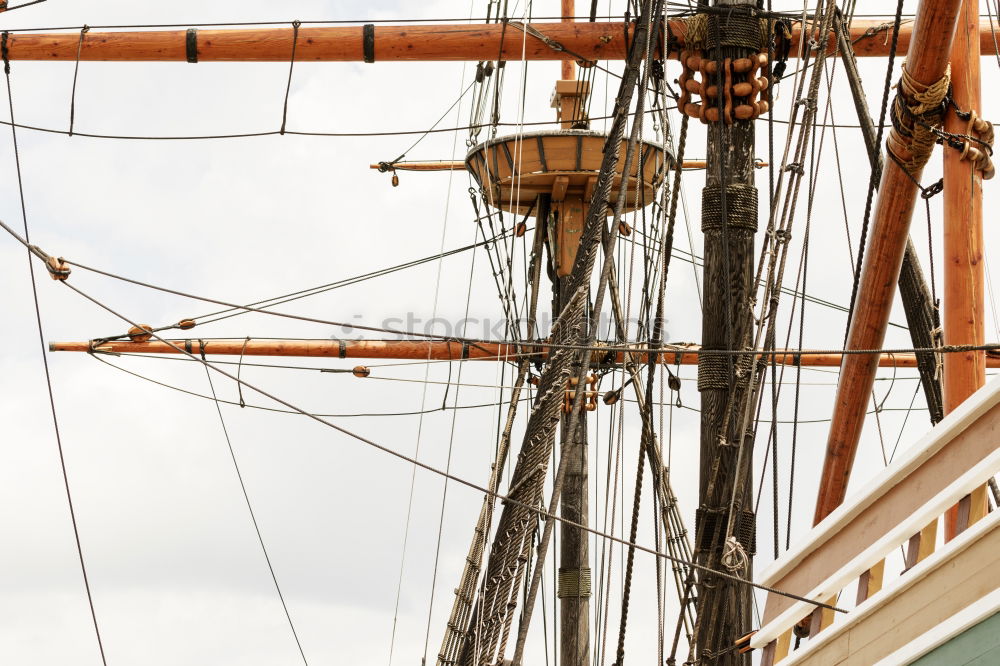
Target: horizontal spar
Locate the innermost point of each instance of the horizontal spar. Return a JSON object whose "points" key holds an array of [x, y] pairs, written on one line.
{"points": [[447, 165], [430, 350], [392, 43]]}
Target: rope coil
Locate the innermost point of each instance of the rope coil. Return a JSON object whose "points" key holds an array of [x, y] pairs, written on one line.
{"points": [[917, 115]]}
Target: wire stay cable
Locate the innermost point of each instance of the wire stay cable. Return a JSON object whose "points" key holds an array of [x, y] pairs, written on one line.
{"points": [[253, 517], [45, 358]]}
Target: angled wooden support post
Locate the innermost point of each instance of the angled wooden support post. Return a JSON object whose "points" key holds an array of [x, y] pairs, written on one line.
{"points": [[925, 69]]}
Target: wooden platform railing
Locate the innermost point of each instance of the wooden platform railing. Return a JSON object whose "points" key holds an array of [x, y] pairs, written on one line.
{"points": [[900, 507]]}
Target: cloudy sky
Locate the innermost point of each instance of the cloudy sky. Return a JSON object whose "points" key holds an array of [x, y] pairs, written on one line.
{"points": [[175, 568]]}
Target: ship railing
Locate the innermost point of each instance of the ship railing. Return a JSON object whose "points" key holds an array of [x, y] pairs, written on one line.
{"points": [[884, 542]]}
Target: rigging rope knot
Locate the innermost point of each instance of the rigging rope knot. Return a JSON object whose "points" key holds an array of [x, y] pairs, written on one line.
{"points": [[917, 114], [94, 347], [808, 102], [58, 268], [734, 557], [881, 27], [932, 189], [528, 30]]}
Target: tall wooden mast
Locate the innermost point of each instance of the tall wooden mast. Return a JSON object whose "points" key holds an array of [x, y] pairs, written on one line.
{"points": [[574, 580], [963, 317], [729, 222]]}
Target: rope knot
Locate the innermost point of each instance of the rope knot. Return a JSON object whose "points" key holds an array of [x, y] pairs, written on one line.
{"points": [[58, 268], [932, 189], [916, 120], [734, 557]]}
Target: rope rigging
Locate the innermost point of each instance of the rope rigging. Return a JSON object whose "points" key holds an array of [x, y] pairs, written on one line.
{"points": [[490, 595], [58, 271], [430, 468]]}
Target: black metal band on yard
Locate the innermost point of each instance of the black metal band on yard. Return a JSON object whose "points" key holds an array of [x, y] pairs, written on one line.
{"points": [[191, 44], [368, 42]]}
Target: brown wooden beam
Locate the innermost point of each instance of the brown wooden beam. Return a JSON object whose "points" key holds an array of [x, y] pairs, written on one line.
{"points": [[932, 40], [964, 306], [449, 165], [429, 350], [394, 43]]}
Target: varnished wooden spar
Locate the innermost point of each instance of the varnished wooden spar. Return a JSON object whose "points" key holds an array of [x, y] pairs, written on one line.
{"points": [[392, 43], [964, 306], [424, 350], [448, 165], [932, 39]]}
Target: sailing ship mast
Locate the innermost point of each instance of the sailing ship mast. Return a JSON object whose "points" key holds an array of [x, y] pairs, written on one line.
{"points": [[574, 219]]}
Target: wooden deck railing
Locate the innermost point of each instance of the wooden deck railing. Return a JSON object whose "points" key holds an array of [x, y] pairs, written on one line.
{"points": [[900, 507]]}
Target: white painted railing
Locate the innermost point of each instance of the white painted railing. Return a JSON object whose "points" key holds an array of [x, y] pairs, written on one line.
{"points": [[902, 505]]}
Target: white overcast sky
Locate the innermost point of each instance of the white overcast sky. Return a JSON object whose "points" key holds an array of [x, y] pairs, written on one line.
{"points": [[176, 573]]}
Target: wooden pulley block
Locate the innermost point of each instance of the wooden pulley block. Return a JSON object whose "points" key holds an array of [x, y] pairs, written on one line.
{"points": [[682, 81], [624, 229], [728, 107], [361, 371], [981, 126], [695, 86], [185, 324], [520, 229], [57, 267], [743, 89], [742, 65], [970, 152], [704, 66], [140, 333]]}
